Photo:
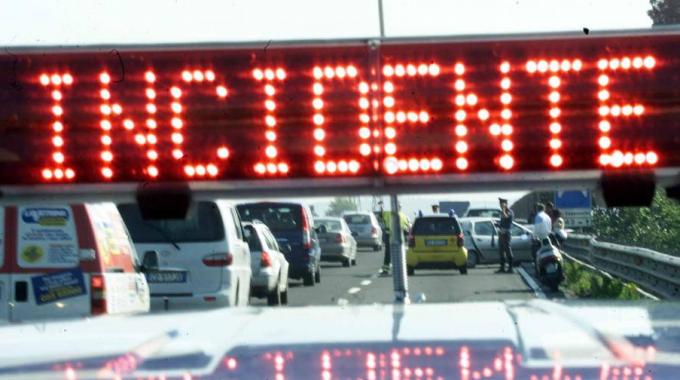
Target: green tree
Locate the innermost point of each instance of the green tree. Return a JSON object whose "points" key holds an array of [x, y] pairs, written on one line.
{"points": [[656, 227], [339, 205], [665, 12]]}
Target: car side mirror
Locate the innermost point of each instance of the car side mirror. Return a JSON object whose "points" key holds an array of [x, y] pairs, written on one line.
{"points": [[150, 261]]}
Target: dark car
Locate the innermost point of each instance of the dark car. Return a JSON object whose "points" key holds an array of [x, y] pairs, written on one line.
{"points": [[293, 226]]}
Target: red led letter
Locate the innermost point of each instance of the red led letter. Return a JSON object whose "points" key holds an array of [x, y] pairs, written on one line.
{"points": [[194, 168], [109, 110], [272, 165], [393, 117], [56, 83], [467, 99], [332, 166], [609, 109], [552, 68]]}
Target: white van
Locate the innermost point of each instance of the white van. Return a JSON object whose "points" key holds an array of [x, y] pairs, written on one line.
{"points": [[203, 260], [65, 261]]}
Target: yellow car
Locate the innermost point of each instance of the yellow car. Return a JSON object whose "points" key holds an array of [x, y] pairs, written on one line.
{"points": [[436, 242]]}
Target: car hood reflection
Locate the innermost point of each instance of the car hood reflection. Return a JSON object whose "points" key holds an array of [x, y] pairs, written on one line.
{"points": [[508, 340]]}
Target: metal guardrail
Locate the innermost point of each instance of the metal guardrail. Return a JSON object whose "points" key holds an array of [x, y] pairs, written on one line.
{"points": [[653, 271]]}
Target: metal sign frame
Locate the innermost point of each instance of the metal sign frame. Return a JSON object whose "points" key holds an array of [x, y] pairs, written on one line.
{"points": [[585, 179]]}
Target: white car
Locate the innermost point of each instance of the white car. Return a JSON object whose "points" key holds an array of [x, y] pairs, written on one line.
{"points": [[203, 260], [267, 263], [67, 261]]}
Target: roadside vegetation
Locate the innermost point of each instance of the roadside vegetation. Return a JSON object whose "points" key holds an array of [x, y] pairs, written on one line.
{"points": [[586, 283], [656, 227]]}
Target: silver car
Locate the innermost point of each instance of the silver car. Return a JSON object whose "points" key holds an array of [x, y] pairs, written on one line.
{"points": [[268, 264], [365, 229], [481, 241], [336, 241]]}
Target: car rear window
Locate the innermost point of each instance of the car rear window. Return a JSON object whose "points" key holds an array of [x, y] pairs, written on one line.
{"points": [[277, 217], [331, 225], [203, 223], [357, 219], [436, 226], [253, 241]]}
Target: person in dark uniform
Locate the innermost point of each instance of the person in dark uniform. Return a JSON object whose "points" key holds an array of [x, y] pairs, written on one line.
{"points": [[504, 237], [553, 212]]}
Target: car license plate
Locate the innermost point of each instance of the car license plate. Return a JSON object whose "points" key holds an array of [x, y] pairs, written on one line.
{"points": [[166, 277], [435, 243]]}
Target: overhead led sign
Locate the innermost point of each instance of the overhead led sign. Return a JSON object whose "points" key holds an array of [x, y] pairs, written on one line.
{"points": [[340, 110]]}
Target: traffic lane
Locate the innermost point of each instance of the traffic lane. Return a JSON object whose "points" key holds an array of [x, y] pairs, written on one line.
{"points": [[433, 286], [337, 282], [362, 284]]}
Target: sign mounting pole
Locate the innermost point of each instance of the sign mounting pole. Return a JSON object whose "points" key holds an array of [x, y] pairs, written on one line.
{"points": [[382, 19]]}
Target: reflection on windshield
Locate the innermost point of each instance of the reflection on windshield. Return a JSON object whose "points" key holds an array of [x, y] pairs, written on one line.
{"points": [[507, 284]]}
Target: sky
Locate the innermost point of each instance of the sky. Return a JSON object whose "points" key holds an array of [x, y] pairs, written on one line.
{"points": [[96, 22], [75, 22]]}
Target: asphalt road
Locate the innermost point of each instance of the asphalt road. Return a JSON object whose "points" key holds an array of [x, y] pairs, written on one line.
{"points": [[362, 284]]}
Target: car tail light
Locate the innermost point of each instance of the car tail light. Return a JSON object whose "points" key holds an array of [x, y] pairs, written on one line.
{"points": [[98, 294], [339, 238], [461, 240], [411, 241], [218, 260], [374, 231], [306, 234], [265, 259]]}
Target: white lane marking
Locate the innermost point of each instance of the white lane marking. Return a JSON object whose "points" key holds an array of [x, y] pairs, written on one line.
{"points": [[365, 282], [354, 290], [532, 284]]}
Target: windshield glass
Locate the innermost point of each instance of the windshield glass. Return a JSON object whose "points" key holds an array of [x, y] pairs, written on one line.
{"points": [[203, 223], [484, 213], [252, 238], [276, 217], [436, 226], [357, 219], [510, 171], [329, 224]]}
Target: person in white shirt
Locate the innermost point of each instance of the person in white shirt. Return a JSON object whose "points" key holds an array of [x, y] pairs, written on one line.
{"points": [[542, 223], [542, 228]]}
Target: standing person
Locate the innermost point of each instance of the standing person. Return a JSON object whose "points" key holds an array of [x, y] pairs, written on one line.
{"points": [[542, 228], [404, 225], [553, 212], [385, 224], [504, 237]]}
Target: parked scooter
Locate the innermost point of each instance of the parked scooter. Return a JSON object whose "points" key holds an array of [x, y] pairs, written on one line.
{"points": [[549, 265]]}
